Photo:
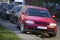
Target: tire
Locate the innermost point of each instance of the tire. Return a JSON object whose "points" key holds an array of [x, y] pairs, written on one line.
{"points": [[53, 34], [22, 30], [15, 20], [18, 25]]}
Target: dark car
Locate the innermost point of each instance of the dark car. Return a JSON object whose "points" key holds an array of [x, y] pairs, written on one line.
{"points": [[14, 14], [3, 9], [37, 19], [9, 7]]}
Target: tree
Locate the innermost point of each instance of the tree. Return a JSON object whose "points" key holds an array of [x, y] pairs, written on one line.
{"points": [[38, 3]]}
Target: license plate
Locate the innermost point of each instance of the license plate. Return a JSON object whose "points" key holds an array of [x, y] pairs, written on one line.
{"points": [[40, 27]]}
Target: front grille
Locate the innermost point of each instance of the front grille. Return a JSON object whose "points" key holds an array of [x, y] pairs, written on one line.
{"points": [[42, 23]]}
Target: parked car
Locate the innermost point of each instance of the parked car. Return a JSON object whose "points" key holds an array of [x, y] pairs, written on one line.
{"points": [[14, 14], [36, 19], [3, 10], [9, 7]]}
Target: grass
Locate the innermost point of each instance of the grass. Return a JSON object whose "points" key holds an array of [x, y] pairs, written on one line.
{"points": [[7, 35]]}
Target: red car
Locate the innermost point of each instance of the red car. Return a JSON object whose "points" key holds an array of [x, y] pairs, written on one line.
{"points": [[37, 19]]}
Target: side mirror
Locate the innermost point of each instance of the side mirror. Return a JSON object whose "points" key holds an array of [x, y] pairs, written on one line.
{"points": [[53, 16]]}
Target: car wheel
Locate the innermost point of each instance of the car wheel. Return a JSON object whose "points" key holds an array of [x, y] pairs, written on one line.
{"points": [[53, 34], [22, 30], [18, 25]]}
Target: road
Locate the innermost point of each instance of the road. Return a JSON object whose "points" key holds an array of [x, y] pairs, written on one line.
{"points": [[12, 28]]}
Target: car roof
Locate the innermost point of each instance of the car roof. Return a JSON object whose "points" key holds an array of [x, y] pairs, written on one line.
{"points": [[36, 7]]}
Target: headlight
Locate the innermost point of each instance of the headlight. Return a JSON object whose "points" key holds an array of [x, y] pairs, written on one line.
{"points": [[52, 25], [29, 22]]}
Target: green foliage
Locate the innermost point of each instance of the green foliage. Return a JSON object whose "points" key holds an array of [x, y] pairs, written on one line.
{"points": [[7, 35]]}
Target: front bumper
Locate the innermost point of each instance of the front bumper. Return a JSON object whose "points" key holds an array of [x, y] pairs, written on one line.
{"points": [[34, 28], [40, 30]]}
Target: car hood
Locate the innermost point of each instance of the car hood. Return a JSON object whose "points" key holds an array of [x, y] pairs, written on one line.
{"points": [[44, 19]]}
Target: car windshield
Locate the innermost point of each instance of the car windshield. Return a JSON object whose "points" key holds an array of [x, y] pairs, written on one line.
{"points": [[10, 6], [17, 9], [38, 12]]}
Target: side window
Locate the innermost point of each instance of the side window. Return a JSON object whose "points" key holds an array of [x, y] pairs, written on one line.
{"points": [[18, 9], [23, 8]]}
